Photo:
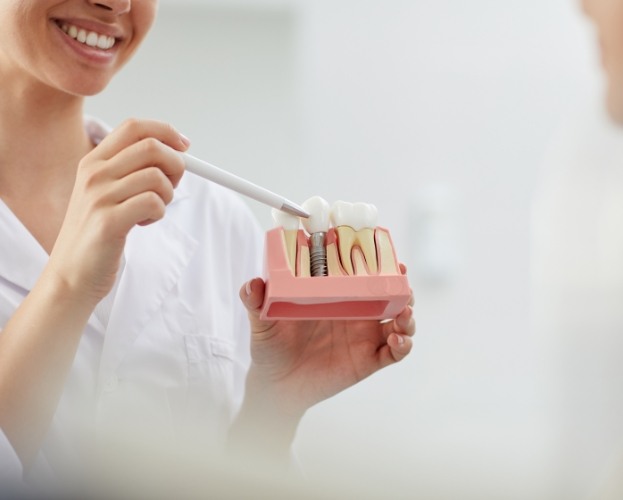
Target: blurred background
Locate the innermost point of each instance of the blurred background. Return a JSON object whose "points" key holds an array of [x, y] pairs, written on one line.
{"points": [[448, 115]]}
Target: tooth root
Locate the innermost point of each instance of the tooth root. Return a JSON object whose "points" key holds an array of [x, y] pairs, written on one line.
{"points": [[359, 262], [290, 238], [388, 262], [346, 239], [365, 240], [334, 266], [303, 261]]}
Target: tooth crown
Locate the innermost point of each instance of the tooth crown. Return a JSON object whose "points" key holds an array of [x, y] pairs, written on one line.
{"points": [[320, 215], [354, 248], [356, 215]]}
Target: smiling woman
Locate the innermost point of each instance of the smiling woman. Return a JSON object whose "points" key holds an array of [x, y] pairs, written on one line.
{"points": [[44, 49], [128, 308]]}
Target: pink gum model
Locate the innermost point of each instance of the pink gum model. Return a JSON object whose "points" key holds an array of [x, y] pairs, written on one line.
{"points": [[373, 297]]}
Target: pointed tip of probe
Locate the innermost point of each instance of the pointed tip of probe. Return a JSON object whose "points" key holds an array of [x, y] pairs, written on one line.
{"points": [[294, 209]]}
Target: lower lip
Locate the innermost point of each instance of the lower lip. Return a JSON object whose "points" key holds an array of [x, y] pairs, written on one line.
{"points": [[92, 55]]}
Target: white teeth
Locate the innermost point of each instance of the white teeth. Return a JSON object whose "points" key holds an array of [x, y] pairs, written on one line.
{"points": [[356, 215], [355, 224], [320, 214], [103, 42], [90, 38], [342, 213], [288, 221]]}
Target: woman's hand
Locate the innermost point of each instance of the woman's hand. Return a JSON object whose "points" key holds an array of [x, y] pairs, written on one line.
{"points": [[296, 364], [128, 179]]}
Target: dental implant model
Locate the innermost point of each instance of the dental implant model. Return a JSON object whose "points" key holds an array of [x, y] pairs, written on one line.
{"points": [[317, 225], [349, 271]]}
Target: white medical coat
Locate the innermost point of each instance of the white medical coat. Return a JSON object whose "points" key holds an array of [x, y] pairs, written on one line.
{"points": [[171, 364]]}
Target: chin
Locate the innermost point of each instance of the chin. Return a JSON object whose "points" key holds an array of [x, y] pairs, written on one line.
{"points": [[80, 84], [86, 89]]}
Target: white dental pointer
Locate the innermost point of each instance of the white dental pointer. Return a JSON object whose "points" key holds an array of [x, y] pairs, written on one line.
{"points": [[242, 186]]}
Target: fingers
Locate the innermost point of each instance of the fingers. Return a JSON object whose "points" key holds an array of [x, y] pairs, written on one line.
{"points": [[399, 333], [399, 347], [133, 131], [403, 324], [143, 209], [148, 152], [141, 160], [403, 271], [252, 295]]}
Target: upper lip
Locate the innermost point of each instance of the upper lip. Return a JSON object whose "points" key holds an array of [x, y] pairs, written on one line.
{"points": [[90, 25]]}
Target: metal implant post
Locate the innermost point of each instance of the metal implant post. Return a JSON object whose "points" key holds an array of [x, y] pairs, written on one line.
{"points": [[317, 226], [318, 255]]}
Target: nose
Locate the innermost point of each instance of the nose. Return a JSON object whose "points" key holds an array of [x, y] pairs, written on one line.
{"points": [[117, 7]]}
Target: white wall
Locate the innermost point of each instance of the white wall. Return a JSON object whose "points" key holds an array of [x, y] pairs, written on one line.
{"points": [[378, 101]]}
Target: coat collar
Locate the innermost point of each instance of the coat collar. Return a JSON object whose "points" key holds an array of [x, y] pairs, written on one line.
{"points": [[22, 258]]}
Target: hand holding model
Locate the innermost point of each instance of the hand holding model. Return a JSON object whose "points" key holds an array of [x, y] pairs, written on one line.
{"points": [[296, 364]]}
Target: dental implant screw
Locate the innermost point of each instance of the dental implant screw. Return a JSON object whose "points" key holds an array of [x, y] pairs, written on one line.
{"points": [[318, 255]]}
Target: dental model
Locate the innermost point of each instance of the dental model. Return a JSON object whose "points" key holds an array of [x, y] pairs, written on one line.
{"points": [[317, 225], [361, 277], [290, 224], [355, 225]]}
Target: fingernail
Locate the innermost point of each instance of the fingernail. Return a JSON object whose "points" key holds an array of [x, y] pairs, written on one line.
{"points": [[247, 288], [184, 139], [401, 339]]}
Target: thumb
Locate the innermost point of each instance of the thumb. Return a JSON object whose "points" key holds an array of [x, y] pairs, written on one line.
{"points": [[252, 296]]}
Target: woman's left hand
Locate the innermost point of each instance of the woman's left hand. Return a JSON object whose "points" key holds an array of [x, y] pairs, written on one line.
{"points": [[296, 364]]}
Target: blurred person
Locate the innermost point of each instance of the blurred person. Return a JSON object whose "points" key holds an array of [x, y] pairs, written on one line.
{"points": [[578, 275], [129, 314]]}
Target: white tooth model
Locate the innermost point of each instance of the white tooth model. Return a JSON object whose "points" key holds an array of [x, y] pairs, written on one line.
{"points": [[355, 225], [319, 215], [362, 279], [317, 225], [290, 224]]}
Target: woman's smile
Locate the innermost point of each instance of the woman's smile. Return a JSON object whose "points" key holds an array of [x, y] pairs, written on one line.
{"points": [[95, 41], [90, 38]]}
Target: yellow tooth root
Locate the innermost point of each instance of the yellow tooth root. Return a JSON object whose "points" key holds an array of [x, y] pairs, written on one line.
{"points": [[290, 243], [365, 240], [346, 240]]}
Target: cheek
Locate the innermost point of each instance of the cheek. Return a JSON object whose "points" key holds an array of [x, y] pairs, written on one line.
{"points": [[144, 16]]}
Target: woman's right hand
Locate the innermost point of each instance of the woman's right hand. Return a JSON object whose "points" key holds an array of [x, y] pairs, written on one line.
{"points": [[127, 180]]}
